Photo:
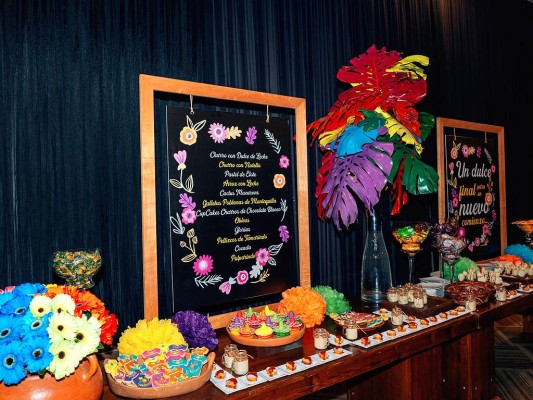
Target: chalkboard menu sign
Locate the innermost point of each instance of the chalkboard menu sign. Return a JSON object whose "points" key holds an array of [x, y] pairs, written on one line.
{"points": [[473, 177], [231, 207]]}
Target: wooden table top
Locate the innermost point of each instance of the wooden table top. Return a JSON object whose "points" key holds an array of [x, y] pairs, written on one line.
{"points": [[359, 362]]}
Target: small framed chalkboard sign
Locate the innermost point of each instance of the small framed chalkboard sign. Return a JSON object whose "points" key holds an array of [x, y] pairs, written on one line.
{"points": [[471, 167], [237, 199]]}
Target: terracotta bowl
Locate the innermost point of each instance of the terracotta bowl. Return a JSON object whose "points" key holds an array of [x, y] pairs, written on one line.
{"points": [[459, 292], [177, 389]]}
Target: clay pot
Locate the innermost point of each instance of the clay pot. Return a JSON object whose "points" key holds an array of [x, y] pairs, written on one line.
{"points": [[85, 383]]}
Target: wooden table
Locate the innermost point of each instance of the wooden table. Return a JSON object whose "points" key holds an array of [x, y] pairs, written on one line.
{"points": [[452, 360]]}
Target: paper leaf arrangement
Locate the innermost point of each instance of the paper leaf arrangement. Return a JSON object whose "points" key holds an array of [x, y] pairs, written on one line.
{"points": [[372, 137]]}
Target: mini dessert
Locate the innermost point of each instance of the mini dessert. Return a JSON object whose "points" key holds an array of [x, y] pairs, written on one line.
{"points": [[264, 332], [378, 337], [307, 360], [401, 328], [338, 350], [220, 374], [443, 315], [290, 365], [432, 319], [512, 292], [239, 315], [410, 318], [383, 311], [424, 321], [391, 333], [235, 324], [254, 321], [454, 312], [281, 330], [269, 323], [231, 383], [412, 325], [249, 312], [268, 312], [339, 339], [251, 376], [365, 341], [246, 330], [323, 355], [461, 309], [293, 323], [271, 371]]}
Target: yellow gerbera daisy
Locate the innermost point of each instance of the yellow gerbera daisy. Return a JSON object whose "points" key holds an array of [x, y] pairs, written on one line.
{"points": [[40, 305], [147, 335], [87, 336], [67, 356], [62, 326], [63, 303]]}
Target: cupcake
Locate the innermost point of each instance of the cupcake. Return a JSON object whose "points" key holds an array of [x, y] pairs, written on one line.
{"points": [[282, 330], [235, 325], [254, 321], [294, 324], [249, 313], [246, 330], [264, 332], [269, 323]]}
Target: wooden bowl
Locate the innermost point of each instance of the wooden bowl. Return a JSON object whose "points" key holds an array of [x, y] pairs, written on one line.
{"points": [[459, 292], [161, 392]]}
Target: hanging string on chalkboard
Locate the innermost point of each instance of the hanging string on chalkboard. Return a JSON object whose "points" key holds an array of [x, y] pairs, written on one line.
{"points": [[485, 137], [454, 138], [192, 110], [268, 116]]}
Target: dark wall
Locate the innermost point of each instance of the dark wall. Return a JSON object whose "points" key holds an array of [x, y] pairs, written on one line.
{"points": [[69, 115]]}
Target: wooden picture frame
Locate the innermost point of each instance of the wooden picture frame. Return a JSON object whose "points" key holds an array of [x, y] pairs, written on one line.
{"points": [[148, 86], [466, 128]]}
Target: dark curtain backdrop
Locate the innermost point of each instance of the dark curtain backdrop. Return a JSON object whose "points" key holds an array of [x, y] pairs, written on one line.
{"points": [[69, 113]]}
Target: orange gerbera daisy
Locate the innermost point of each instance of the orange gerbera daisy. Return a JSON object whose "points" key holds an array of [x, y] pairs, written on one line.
{"points": [[86, 301], [109, 324], [53, 290]]}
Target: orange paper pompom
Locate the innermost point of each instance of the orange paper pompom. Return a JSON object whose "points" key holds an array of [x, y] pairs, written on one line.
{"points": [[304, 302]]}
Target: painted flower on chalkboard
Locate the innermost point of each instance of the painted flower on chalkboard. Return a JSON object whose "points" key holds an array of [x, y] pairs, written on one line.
{"points": [[188, 136], [372, 137], [262, 256], [225, 287], [279, 181], [283, 233], [251, 135], [256, 270], [203, 265], [188, 216], [217, 132], [181, 157], [284, 162], [242, 277]]}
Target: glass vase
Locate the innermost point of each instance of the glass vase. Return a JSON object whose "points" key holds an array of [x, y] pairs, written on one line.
{"points": [[376, 277]]}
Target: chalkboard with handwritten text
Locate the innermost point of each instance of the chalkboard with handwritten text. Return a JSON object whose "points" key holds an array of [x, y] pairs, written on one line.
{"points": [[231, 207], [473, 188]]}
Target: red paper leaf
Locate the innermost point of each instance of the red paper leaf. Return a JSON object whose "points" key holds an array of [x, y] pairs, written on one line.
{"points": [[398, 193]]}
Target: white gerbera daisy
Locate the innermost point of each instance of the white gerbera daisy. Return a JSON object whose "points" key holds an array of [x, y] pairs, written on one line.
{"points": [[40, 305], [62, 326], [87, 336], [63, 303], [66, 358]]}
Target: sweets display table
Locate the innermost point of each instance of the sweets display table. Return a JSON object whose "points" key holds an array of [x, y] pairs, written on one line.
{"points": [[451, 360]]}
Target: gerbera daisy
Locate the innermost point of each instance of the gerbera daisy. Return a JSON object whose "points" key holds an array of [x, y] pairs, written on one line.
{"points": [[217, 132], [109, 327], [36, 353], [147, 335], [29, 289], [36, 326], [66, 358], [62, 326], [10, 329], [40, 305], [87, 336], [63, 303], [5, 297], [86, 301], [203, 265], [11, 364], [18, 305]]}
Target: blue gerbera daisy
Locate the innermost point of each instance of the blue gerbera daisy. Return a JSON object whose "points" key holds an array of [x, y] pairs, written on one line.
{"points": [[35, 326], [10, 328], [17, 306], [29, 289], [5, 297], [11, 364], [36, 353]]}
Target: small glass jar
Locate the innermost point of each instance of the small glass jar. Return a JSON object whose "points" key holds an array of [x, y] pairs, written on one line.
{"points": [[411, 293], [471, 304], [501, 293], [240, 362], [403, 296], [349, 330], [229, 355], [321, 337], [392, 295], [397, 316], [418, 299]]}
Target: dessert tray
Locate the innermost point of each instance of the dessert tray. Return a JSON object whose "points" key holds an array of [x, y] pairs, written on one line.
{"points": [[271, 342], [161, 392], [365, 321]]}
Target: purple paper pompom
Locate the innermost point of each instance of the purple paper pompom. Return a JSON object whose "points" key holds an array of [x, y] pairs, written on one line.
{"points": [[196, 329]]}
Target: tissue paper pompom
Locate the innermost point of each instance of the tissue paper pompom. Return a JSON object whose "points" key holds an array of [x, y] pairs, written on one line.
{"points": [[304, 302], [196, 329], [336, 303], [520, 250], [463, 265]]}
